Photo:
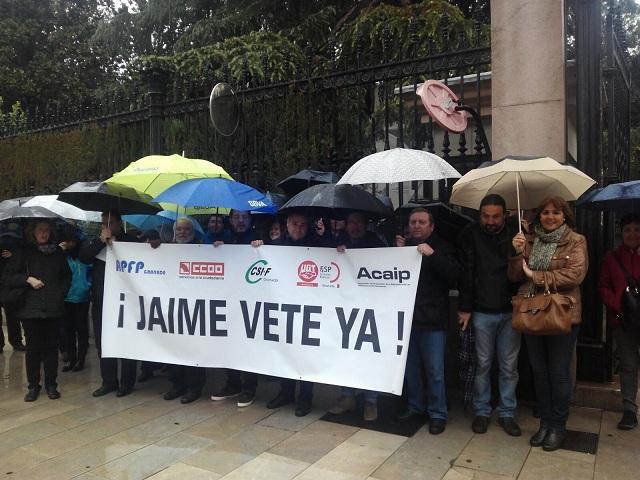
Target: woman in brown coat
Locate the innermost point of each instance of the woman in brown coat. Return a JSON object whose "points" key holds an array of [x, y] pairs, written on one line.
{"points": [[553, 251]]}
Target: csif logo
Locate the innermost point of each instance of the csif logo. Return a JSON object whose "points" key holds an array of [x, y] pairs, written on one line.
{"points": [[132, 266], [258, 271]]}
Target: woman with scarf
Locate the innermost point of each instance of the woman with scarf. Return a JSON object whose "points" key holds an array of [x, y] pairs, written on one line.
{"points": [[554, 252], [40, 269]]}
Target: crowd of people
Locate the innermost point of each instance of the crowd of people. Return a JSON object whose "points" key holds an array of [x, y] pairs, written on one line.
{"points": [[48, 283]]}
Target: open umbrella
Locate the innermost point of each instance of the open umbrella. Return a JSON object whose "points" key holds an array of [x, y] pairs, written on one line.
{"points": [[522, 181], [14, 202], [617, 197], [398, 165], [65, 210], [16, 212], [155, 173], [333, 200], [304, 179], [216, 192], [100, 197], [155, 222]]}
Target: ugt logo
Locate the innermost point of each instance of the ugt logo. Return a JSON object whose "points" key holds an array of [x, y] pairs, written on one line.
{"points": [[132, 266], [307, 271]]}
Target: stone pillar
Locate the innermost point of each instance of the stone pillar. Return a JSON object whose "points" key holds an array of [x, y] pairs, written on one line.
{"points": [[528, 78], [156, 80]]}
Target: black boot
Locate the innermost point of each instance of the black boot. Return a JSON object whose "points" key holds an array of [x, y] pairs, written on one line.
{"points": [[32, 394], [538, 439], [554, 439]]}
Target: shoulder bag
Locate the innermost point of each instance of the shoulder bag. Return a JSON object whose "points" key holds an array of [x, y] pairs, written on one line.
{"points": [[543, 312]]}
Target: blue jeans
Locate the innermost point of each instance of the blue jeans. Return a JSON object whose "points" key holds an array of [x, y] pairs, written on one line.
{"points": [[494, 334], [426, 351], [370, 396], [550, 357]]}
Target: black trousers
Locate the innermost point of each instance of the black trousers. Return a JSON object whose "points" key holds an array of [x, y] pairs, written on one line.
{"points": [[190, 379], [76, 330], [109, 366], [288, 387], [13, 328], [234, 380], [42, 348]]}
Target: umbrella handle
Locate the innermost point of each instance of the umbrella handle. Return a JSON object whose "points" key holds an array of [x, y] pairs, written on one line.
{"points": [[518, 196]]}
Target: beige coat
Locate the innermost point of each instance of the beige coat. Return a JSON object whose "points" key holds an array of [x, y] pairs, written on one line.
{"points": [[568, 268]]}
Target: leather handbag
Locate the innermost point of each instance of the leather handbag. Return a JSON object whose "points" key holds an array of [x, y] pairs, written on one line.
{"points": [[543, 311], [630, 299]]}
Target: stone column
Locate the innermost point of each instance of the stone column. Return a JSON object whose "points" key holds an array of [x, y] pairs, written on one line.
{"points": [[528, 78]]}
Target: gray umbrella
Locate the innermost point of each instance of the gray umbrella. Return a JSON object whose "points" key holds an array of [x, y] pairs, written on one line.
{"points": [[16, 212]]}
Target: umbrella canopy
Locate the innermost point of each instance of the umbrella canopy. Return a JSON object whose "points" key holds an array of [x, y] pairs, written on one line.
{"points": [[14, 202], [217, 192], [522, 181], [336, 200], [278, 199], [155, 173], [398, 165], [155, 222], [26, 212], [100, 197], [617, 197], [304, 179], [51, 202]]}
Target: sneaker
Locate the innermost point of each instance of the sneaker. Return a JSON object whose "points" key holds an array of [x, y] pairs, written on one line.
{"points": [[370, 412], [245, 399], [226, 392], [345, 403], [629, 421]]}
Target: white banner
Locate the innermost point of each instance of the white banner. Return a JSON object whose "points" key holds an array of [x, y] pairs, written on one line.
{"points": [[306, 313]]}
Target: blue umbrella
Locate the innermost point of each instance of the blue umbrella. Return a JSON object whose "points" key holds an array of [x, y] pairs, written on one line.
{"points": [[617, 197], [217, 192], [155, 222]]}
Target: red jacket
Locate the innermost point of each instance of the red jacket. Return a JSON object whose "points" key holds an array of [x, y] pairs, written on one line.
{"points": [[612, 282]]}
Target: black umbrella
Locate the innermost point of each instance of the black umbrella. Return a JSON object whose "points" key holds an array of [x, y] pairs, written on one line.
{"points": [[333, 200], [448, 221], [100, 197], [304, 179], [278, 199], [17, 212]]}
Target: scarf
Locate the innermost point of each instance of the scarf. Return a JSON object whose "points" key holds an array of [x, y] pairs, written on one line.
{"points": [[544, 246]]}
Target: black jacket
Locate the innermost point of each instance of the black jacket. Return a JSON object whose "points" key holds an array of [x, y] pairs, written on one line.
{"points": [[88, 255], [370, 240], [52, 269], [484, 286], [439, 273]]}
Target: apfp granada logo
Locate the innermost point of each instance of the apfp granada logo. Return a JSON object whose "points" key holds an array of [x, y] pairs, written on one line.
{"points": [[201, 269], [307, 272]]}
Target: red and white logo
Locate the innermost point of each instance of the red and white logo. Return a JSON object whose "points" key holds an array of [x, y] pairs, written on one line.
{"points": [[307, 272], [202, 269]]}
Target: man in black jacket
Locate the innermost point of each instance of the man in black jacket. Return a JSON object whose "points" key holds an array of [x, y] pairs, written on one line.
{"points": [[485, 299], [239, 384], [111, 230], [439, 272]]}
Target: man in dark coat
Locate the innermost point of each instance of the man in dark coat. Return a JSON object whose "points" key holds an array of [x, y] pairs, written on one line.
{"points": [[8, 244], [239, 384], [111, 231], [298, 234], [439, 271], [485, 301]]}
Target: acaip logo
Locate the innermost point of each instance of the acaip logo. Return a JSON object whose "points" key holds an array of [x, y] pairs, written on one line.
{"points": [[258, 271]]}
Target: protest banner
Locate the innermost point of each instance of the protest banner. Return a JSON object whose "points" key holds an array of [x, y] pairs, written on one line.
{"points": [[305, 313]]}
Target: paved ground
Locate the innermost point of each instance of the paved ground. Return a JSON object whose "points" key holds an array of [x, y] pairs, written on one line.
{"points": [[144, 436]]}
